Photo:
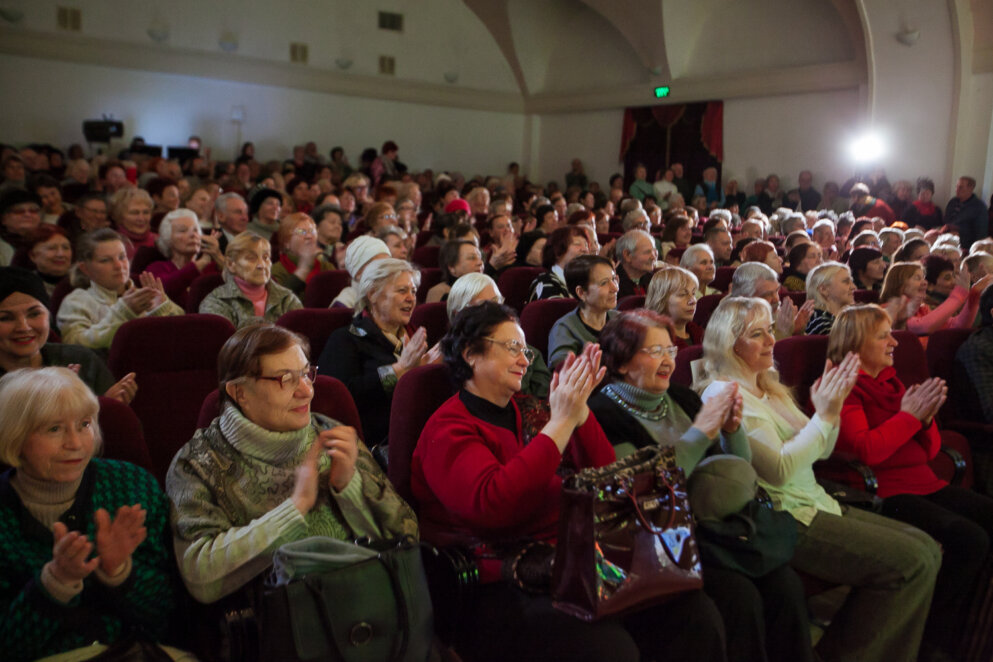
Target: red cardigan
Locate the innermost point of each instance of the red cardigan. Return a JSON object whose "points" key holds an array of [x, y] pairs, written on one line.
{"points": [[478, 483], [891, 442]]}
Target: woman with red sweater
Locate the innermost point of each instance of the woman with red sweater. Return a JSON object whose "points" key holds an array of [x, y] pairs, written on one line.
{"points": [[891, 429], [482, 481]]}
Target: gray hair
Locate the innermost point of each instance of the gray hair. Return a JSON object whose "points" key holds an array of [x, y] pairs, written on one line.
{"points": [[748, 275], [465, 289], [634, 217], [721, 213], [792, 223], [386, 231], [378, 274], [885, 232], [821, 225], [221, 204], [690, 257], [164, 240], [629, 241]]}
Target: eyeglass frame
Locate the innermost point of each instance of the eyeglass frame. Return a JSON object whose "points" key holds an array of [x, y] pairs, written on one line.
{"points": [[294, 376], [656, 351], [514, 347]]}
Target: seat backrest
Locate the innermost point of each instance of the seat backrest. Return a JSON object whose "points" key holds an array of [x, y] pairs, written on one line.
{"points": [[200, 288], [942, 347], [538, 318], [331, 398], [722, 279], [62, 289], [175, 362], [433, 317], [425, 256], [324, 287], [423, 237], [430, 276], [683, 373], [631, 302], [143, 257], [909, 358], [316, 324], [866, 296], [123, 438], [705, 307], [800, 360], [417, 395], [798, 297], [514, 284]]}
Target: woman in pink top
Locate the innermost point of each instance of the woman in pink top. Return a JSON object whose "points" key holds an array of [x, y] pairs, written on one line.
{"points": [[957, 312], [188, 253]]}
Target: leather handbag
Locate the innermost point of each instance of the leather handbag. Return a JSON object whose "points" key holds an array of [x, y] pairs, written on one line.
{"points": [[625, 537], [328, 599]]}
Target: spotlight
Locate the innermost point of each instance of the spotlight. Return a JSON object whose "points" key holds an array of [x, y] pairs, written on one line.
{"points": [[867, 148]]}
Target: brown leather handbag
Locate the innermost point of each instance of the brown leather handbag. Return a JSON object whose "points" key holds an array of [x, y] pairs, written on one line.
{"points": [[625, 537]]}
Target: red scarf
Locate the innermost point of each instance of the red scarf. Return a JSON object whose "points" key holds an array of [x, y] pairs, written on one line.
{"points": [[291, 266], [925, 208]]}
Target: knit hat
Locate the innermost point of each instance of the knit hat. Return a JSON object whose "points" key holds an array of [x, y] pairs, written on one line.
{"points": [[15, 279], [720, 486], [456, 205], [361, 251], [16, 196], [259, 196]]}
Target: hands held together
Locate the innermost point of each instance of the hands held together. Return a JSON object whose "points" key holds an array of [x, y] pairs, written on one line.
{"points": [[341, 444], [116, 540]]}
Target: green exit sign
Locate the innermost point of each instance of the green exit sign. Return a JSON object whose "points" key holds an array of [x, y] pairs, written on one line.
{"points": [[662, 92]]}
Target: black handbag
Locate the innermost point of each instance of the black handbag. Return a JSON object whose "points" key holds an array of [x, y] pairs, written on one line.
{"points": [[333, 600], [753, 541]]}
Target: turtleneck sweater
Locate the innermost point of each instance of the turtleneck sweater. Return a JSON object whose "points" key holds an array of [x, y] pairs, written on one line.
{"points": [[257, 294]]}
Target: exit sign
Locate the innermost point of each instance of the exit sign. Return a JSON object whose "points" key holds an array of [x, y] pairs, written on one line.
{"points": [[662, 92]]}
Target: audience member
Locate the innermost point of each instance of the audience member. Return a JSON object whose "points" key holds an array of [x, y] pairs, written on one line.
{"points": [[967, 213], [20, 216], [592, 280], [563, 245], [973, 374], [50, 251], [672, 292], [831, 288], [636, 254], [359, 254], [300, 258], [699, 259], [456, 258], [802, 259]]}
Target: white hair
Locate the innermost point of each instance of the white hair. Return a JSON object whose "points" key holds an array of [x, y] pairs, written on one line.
{"points": [[164, 240], [380, 273], [465, 289], [690, 256], [748, 275]]}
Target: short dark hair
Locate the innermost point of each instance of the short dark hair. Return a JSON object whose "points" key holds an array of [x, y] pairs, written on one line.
{"points": [[904, 252], [622, 336], [673, 225], [577, 272], [241, 356], [558, 244], [542, 211], [42, 180], [448, 257], [934, 266], [467, 334]]}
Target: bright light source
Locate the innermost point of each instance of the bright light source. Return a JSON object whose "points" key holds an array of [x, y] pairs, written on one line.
{"points": [[867, 148]]}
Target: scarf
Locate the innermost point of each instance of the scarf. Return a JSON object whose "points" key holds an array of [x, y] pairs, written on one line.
{"points": [[146, 238], [291, 266], [925, 208], [257, 294]]}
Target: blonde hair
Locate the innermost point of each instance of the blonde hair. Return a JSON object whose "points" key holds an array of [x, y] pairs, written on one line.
{"points": [[286, 227], [665, 283], [820, 276], [243, 242], [720, 362], [852, 327], [123, 198], [896, 277], [33, 397]]}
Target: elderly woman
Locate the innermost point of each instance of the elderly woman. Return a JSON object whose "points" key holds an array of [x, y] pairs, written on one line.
{"points": [[891, 567], [958, 311], [371, 354], [892, 429], [480, 483], [868, 268], [106, 297], [24, 333], [831, 288], [131, 212], [300, 258], [699, 259], [360, 254], [249, 295], [475, 288], [912, 250], [189, 253], [530, 248], [269, 471], [678, 233], [50, 252], [672, 292], [86, 556], [592, 280], [563, 245], [764, 252], [802, 259], [456, 258], [640, 407], [379, 215], [396, 239]]}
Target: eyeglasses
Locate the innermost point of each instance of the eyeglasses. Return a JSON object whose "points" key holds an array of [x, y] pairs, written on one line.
{"points": [[656, 351], [389, 217], [305, 232], [515, 347], [292, 378]]}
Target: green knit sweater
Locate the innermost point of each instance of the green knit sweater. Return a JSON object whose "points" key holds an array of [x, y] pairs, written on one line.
{"points": [[32, 623]]}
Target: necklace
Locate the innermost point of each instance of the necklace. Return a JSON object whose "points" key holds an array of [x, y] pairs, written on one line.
{"points": [[656, 414]]}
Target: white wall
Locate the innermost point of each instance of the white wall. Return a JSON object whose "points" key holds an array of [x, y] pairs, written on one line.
{"points": [[53, 98], [593, 137]]}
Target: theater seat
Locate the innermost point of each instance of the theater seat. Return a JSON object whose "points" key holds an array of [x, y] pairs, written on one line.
{"points": [[324, 287], [800, 361], [425, 256], [143, 257], [514, 284], [416, 397], [798, 297], [175, 360], [909, 358], [722, 279], [538, 318], [430, 276], [331, 398], [683, 374], [123, 438], [705, 307], [433, 317], [62, 289], [200, 288], [866, 296], [316, 324], [631, 302]]}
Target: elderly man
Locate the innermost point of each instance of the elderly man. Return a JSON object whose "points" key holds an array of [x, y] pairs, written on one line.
{"points": [[757, 279], [809, 197], [710, 189], [968, 213], [864, 204], [720, 242], [637, 254], [231, 215], [576, 177]]}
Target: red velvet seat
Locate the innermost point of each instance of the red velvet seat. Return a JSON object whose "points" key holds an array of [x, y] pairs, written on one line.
{"points": [[331, 398], [175, 360], [425, 256], [866, 296], [705, 307], [909, 359], [538, 318], [430, 276], [800, 360], [200, 288], [631, 302], [722, 278], [433, 317], [417, 395], [514, 284], [143, 257], [123, 438], [799, 298], [423, 237], [62, 289], [683, 374], [324, 287], [316, 324]]}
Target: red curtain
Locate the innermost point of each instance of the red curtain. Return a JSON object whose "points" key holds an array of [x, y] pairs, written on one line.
{"points": [[712, 129], [666, 116]]}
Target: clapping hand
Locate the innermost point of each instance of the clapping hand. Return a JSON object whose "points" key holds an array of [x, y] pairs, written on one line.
{"points": [[124, 390], [69, 554], [117, 539], [829, 392]]}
